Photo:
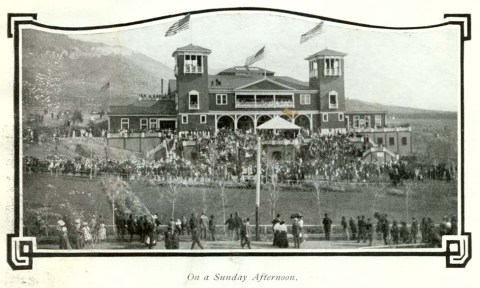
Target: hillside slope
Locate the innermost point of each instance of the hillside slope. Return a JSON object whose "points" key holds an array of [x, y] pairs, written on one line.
{"points": [[64, 73]]}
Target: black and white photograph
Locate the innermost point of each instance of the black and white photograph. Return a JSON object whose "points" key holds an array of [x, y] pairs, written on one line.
{"points": [[238, 132]]}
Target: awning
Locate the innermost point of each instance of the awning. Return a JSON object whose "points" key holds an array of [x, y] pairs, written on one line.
{"points": [[278, 123]]}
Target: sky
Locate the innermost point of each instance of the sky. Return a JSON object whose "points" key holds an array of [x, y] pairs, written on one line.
{"points": [[411, 68]]}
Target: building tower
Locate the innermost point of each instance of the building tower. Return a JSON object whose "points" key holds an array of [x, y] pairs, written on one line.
{"points": [[191, 71], [326, 74]]}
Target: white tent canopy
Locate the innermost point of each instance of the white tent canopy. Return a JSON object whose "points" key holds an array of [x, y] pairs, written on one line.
{"points": [[278, 123]]}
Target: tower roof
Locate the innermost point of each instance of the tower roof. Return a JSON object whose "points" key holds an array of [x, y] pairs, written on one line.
{"points": [[192, 48], [326, 52]]}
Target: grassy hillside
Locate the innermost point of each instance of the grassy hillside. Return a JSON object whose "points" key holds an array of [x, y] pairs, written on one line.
{"points": [[63, 73]]}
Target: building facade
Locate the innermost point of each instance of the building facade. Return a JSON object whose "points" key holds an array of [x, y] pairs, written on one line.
{"points": [[242, 98]]}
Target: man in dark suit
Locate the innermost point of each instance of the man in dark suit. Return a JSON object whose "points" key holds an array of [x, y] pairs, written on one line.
{"points": [[238, 225], [296, 233], [327, 226], [194, 227]]}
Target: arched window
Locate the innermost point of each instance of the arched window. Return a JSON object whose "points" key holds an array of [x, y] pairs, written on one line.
{"points": [[193, 100], [333, 100]]}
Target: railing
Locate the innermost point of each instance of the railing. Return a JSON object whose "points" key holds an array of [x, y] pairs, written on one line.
{"points": [[332, 72], [269, 104]]}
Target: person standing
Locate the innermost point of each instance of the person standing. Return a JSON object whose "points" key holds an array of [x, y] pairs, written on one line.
{"points": [[238, 225], [131, 226], [353, 227], [245, 233], [62, 231], [296, 233], [230, 226], [275, 222], [414, 230], [394, 232], [369, 231], [211, 227], [385, 228], [203, 226], [327, 226], [194, 228], [345, 228]]}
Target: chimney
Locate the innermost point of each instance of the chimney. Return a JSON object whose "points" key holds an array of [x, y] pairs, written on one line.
{"points": [[161, 88]]}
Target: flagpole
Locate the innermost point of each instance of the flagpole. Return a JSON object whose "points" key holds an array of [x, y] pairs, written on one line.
{"points": [[265, 61]]}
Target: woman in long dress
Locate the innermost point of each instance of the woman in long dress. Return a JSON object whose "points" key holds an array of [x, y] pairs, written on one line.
{"points": [[281, 232], [62, 231]]}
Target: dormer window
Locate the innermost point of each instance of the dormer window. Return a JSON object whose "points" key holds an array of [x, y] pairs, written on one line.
{"points": [[313, 68], [333, 100], [332, 66], [193, 64], [193, 100]]}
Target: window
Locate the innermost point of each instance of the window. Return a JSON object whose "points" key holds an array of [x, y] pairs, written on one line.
{"points": [[185, 119], [193, 100], [304, 99], [391, 141], [332, 100], [221, 99], [378, 120], [380, 141], [203, 119], [367, 121], [332, 67], [193, 64], [125, 123], [153, 123], [325, 117], [347, 118], [313, 68], [404, 141], [356, 121], [143, 123], [340, 117]]}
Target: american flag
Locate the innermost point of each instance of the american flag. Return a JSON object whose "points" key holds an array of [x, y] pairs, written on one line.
{"points": [[178, 26], [310, 34], [257, 56]]}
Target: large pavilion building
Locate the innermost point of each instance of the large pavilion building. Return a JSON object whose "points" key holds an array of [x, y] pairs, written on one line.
{"points": [[242, 98]]}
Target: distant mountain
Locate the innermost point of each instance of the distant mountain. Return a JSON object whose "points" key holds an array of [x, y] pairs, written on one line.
{"points": [[64, 73]]}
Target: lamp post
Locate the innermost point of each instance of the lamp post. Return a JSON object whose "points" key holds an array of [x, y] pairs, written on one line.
{"points": [[257, 202]]}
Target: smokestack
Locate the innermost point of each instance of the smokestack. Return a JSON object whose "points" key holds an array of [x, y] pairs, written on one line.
{"points": [[161, 87]]}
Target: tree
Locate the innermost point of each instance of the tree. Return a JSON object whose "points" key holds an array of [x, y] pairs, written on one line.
{"points": [[318, 195], [273, 193], [114, 186], [173, 192]]}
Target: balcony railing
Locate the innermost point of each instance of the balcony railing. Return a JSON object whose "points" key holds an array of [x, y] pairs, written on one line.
{"points": [[268, 104], [332, 72]]}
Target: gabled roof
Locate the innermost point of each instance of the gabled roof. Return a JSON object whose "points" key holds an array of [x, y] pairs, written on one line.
{"points": [[232, 82], [278, 123], [192, 48], [326, 52], [146, 107], [257, 85], [246, 70]]}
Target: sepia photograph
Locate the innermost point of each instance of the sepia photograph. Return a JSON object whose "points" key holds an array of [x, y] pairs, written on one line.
{"points": [[237, 130]]}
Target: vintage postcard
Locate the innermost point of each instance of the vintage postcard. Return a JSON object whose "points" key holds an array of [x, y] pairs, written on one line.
{"points": [[237, 136]]}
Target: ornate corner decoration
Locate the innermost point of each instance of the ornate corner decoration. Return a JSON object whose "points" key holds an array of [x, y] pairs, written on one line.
{"points": [[19, 251], [458, 249], [465, 20], [12, 17]]}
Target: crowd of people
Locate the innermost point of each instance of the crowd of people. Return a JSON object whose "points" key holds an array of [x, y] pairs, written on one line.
{"points": [[232, 155]]}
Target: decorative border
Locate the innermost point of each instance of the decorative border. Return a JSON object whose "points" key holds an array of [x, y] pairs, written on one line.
{"points": [[457, 249]]}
